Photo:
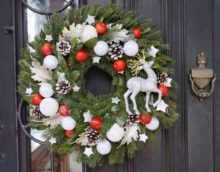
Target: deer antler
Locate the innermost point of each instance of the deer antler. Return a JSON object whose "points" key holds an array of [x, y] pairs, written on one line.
{"points": [[134, 64]]}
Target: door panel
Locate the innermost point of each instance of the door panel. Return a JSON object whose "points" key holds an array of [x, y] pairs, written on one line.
{"points": [[216, 97], [8, 136], [200, 115]]}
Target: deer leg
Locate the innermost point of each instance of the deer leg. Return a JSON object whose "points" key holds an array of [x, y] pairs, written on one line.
{"points": [[159, 96], [126, 94], [133, 95], [147, 102]]}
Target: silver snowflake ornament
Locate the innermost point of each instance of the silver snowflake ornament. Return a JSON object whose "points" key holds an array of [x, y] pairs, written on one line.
{"points": [[88, 151], [115, 100], [162, 106], [29, 91], [48, 38], [143, 137], [90, 20]]}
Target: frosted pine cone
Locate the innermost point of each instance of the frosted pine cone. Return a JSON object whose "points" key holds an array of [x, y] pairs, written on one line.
{"points": [[63, 86], [93, 136], [132, 119], [35, 112], [161, 77], [115, 50], [63, 47]]}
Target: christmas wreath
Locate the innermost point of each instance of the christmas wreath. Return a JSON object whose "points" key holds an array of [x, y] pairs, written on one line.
{"points": [[110, 126]]}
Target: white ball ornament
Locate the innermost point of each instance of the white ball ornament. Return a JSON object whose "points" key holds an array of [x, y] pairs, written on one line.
{"points": [[88, 33], [103, 147], [101, 48], [154, 124], [49, 106], [131, 48], [68, 123], [50, 62], [46, 90], [115, 133]]}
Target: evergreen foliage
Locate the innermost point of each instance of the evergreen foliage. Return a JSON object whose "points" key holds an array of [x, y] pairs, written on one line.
{"points": [[99, 106]]}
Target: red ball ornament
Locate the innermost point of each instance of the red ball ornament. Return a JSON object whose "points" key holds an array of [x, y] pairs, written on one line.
{"points": [[137, 32], [36, 99], [101, 28], [46, 49], [69, 133], [164, 89], [145, 118], [63, 110], [119, 65], [81, 56], [96, 123]]}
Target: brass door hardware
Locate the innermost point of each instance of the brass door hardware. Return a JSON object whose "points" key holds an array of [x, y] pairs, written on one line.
{"points": [[201, 77]]}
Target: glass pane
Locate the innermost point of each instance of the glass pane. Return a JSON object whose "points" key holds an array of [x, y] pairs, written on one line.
{"points": [[41, 155], [35, 23], [47, 5]]}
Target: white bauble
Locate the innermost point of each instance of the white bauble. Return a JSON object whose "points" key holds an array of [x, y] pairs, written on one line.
{"points": [[101, 48], [103, 147], [88, 33], [49, 106], [115, 133], [68, 123], [154, 124], [46, 90], [50, 62], [131, 48]]}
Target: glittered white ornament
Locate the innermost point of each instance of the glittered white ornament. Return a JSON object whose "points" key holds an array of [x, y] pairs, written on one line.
{"points": [[46, 90], [131, 48], [154, 124], [104, 147], [49, 106], [88, 33], [50, 62], [68, 123], [101, 48], [115, 133]]}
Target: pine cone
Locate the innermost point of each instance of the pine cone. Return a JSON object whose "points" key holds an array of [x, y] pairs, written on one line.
{"points": [[115, 49], [63, 86], [93, 136], [133, 118], [63, 47], [35, 112], [161, 77]]}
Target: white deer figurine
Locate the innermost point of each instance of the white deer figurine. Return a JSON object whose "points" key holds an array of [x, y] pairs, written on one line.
{"points": [[138, 84]]}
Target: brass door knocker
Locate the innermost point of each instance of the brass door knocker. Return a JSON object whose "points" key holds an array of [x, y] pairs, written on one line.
{"points": [[201, 77]]}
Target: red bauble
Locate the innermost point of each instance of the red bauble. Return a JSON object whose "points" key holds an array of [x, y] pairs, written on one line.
{"points": [[69, 133], [81, 56], [36, 99], [46, 49], [96, 123], [101, 28], [137, 32], [145, 118], [119, 65], [164, 89], [63, 110]]}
